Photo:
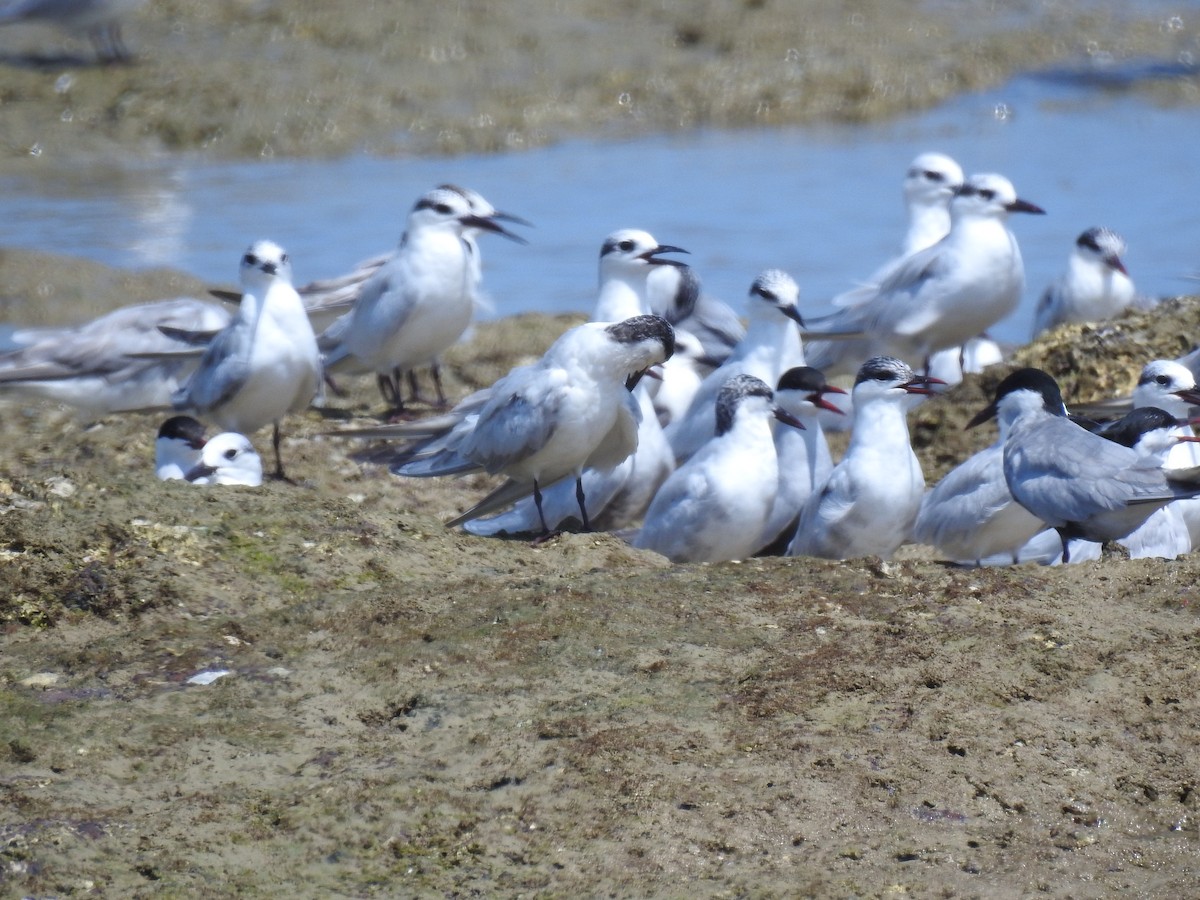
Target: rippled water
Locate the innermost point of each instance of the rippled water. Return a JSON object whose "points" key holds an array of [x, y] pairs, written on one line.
{"points": [[823, 203]]}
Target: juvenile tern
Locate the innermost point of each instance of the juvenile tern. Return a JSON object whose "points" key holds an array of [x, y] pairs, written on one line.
{"points": [[1095, 286], [868, 504], [227, 458], [1078, 483], [420, 301], [714, 507], [943, 295], [109, 364], [265, 364], [569, 411]]}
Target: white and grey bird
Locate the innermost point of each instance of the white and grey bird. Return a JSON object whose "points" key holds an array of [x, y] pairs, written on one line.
{"points": [[930, 182], [177, 447], [567, 412], [1076, 482], [617, 496], [868, 504], [110, 364], [1154, 433], [803, 453], [100, 19], [419, 302], [771, 347], [227, 458], [265, 363], [676, 294], [943, 295], [1095, 286], [970, 516], [714, 507]]}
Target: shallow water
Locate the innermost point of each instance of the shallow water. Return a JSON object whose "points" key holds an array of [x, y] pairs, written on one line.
{"points": [[823, 203]]}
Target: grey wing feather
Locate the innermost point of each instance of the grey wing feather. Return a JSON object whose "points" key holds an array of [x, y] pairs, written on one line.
{"points": [[222, 372]]}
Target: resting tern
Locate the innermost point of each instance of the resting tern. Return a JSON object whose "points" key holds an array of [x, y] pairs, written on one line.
{"points": [[771, 347], [227, 458], [265, 363], [1095, 287], [420, 301], [1078, 483], [803, 453], [113, 363], [714, 507], [868, 504], [569, 411], [943, 295], [618, 496]]}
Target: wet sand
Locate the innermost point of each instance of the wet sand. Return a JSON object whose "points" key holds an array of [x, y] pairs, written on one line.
{"points": [[410, 711]]}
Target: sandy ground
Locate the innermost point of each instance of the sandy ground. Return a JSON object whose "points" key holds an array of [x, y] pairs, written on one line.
{"points": [[410, 711]]}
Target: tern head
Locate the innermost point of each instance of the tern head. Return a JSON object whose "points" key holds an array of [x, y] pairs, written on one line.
{"points": [[751, 396], [1146, 429], [1022, 391], [931, 180], [805, 387], [450, 208], [227, 458], [886, 376], [1103, 246], [989, 195], [481, 208], [184, 429], [262, 263], [645, 341], [631, 251], [1163, 380], [775, 290]]}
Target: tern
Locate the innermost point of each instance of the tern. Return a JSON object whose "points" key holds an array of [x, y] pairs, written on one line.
{"points": [[1095, 287]]}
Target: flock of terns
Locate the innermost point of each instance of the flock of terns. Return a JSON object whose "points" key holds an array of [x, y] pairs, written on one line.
{"points": [[667, 417]]}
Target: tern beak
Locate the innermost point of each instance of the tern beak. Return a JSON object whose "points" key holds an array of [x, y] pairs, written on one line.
{"points": [[1025, 206], [787, 418], [794, 314], [1191, 395], [200, 470], [489, 223], [920, 384], [821, 403], [988, 412], [1114, 262], [651, 256]]}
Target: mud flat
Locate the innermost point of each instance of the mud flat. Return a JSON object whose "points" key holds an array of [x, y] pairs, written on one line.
{"points": [[408, 710]]}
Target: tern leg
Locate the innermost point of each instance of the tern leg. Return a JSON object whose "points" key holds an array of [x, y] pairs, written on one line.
{"points": [[1066, 554], [414, 390], [389, 388], [537, 501], [278, 474], [436, 371], [587, 526]]}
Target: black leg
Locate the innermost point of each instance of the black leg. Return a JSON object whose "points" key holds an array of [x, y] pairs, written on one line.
{"points": [[587, 526], [1066, 556], [278, 459], [389, 388], [537, 500], [414, 392], [436, 372]]}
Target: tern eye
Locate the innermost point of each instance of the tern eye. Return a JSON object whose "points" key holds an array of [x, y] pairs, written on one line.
{"points": [[231, 453], [766, 294], [1164, 380], [626, 246], [987, 195], [934, 176], [250, 260], [443, 208], [283, 259]]}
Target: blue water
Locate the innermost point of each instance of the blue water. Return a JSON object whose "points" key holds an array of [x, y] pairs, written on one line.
{"points": [[823, 203]]}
